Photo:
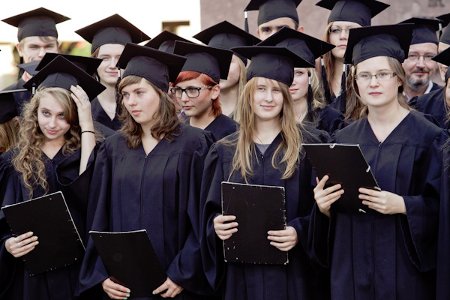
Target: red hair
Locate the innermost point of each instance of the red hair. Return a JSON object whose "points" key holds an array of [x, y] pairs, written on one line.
{"points": [[207, 81]]}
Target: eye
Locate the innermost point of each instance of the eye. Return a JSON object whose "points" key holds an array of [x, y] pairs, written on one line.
{"points": [[261, 88], [266, 29], [335, 30], [61, 116], [364, 76], [299, 73], [45, 113], [125, 95], [413, 56]]}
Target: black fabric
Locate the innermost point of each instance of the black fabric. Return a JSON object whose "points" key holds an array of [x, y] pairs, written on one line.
{"points": [[434, 104], [99, 115], [269, 10], [425, 30], [221, 127]]}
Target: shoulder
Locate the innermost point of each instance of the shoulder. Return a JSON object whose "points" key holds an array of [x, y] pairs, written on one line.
{"points": [[423, 127], [311, 134]]}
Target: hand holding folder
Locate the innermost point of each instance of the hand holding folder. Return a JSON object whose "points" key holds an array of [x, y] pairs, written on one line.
{"points": [[345, 165], [49, 219]]}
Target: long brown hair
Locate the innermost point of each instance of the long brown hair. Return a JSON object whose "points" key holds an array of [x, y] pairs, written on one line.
{"points": [[166, 120], [29, 158], [357, 109], [207, 81], [9, 134], [329, 61], [292, 139]]}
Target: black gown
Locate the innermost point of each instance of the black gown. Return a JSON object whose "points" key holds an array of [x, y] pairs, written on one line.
{"points": [[443, 257], [327, 119], [99, 115], [297, 279], [221, 127], [158, 192], [434, 104], [22, 97], [376, 256], [60, 284]]}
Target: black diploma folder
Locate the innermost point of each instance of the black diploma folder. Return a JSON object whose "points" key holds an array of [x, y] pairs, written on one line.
{"points": [[258, 209], [130, 260], [344, 164], [49, 219]]}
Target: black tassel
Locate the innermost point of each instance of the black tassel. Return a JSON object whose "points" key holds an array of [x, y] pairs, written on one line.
{"points": [[245, 21]]}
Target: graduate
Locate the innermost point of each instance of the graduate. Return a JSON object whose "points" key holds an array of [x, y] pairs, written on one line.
{"points": [[266, 151], [148, 177], [306, 92], [36, 34], [344, 15], [197, 88], [108, 37], [388, 252], [225, 35], [56, 133]]}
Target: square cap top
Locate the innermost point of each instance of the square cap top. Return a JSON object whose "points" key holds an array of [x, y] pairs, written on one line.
{"points": [[269, 10], [445, 37], [8, 106], [444, 58], [88, 64], [29, 67], [425, 30], [165, 41]]}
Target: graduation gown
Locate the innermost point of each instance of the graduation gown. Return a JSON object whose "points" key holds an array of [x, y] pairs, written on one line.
{"points": [[296, 280], [158, 192], [59, 284], [327, 119], [22, 97], [434, 104], [99, 115], [443, 254], [376, 256], [221, 127]]}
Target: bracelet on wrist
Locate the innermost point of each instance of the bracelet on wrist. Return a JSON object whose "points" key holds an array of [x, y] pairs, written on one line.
{"points": [[89, 131]]}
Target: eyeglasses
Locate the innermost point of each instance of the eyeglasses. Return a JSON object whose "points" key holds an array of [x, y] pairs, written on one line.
{"points": [[191, 91], [366, 77], [338, 30], [415, 57]]}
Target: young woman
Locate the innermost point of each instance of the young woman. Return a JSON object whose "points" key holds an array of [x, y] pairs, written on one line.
{"points": [[389, 252], [344, 15], [108, 38], [148, 177], [225, 35], [266, 151], [197, 88], [306, 92], [56, 133]]}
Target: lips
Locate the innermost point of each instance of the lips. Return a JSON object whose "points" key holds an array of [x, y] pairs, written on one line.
{"points": [[52, 132], [374, 93], [135, 112]]}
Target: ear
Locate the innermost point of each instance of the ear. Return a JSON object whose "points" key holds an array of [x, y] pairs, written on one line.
{"points": [[215, 92], [19, 49], [301, 29]]}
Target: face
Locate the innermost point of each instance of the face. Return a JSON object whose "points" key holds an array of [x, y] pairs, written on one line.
{"points": [[141, 101], [202, 104], [51, 119], [299, 87], [267, 29], [267, 100], [34, 47], [376, 92], [233, 74], [338, 36], [419, 66], [107, 71]]}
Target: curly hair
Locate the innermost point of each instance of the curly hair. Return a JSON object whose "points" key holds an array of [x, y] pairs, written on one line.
{"points": [[9, 134], [166, 123], [29, 160]]}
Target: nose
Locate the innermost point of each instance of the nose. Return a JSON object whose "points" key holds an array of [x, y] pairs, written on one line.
{"points": [[344, 34], [184, 96], [373, 81], [420, 62], [269, 96], [41, 52], [112, 63], [52, 122]]}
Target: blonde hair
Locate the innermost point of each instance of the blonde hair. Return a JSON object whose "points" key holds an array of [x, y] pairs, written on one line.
{"points": [[9, 134], [241, 85], [166, 120], [292, 139], [356, 109], [318, 100], [29, 158], [328, 61]]}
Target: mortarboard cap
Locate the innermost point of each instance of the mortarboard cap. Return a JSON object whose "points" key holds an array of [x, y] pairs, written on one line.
{"points": [[225, 35], [385, 40], [158, 67], [444, 58], [213, 62], [357, 11], [88, 64], [112, 30], [165, 41], [271, 62], [8, 106], [30, 67], [425, 30], [445, 37], [60, 72], [307, 47], [37, 22], [274, 9]]}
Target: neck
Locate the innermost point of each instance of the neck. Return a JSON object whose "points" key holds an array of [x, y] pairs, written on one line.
{"points": [[203, 120], [51, 147], [108, 95], [228, 99], [386, 115], [266, 131], [300, 109], [411, 92]]}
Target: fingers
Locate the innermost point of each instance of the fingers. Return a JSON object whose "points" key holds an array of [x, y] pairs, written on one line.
{"points": [[284, 240], [79, 96], [168, 289], [224, 227], [321, 183], [22, 244], [115, 290]]}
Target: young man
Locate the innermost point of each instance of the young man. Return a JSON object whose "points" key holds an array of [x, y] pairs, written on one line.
{"points": [[274, 15]]}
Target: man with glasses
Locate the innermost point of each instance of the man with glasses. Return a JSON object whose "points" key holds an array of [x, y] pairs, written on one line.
{"points": [[419, 66]]}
